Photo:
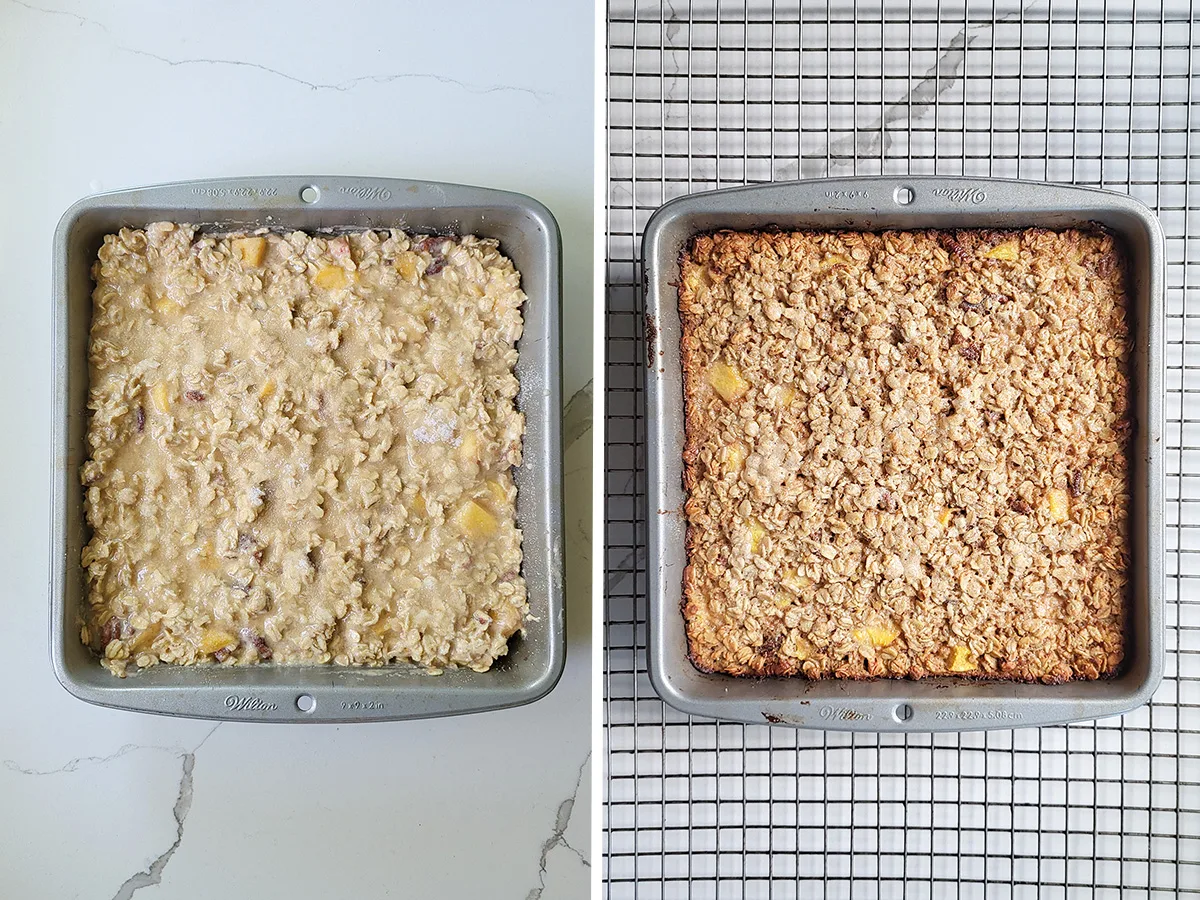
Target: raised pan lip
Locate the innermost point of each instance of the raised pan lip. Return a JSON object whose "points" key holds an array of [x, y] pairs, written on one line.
{"points": [[737, 199], [544, 674]]}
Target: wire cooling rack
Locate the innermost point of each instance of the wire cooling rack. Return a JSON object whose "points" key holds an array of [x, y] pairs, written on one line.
{"points": [[721, 94]]}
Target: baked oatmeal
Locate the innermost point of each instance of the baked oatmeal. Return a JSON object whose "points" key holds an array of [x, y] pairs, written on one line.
{"points": [[301, 450], [906, 453]]}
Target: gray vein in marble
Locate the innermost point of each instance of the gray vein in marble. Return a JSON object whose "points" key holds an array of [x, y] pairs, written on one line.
{"points": [[577, 424], [82, 20], [623, 570], [673, 114], [153, 873], [577, 415], [313, 85], [874, 140], [629, 563], [942, 76], [557, 839], [77, 763], [349, 83], [581, 535], [673, 25], [621, 187]]}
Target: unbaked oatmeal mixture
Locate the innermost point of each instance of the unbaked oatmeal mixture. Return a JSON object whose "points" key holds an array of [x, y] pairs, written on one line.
{"points": [[906, 453], [301, 450]]}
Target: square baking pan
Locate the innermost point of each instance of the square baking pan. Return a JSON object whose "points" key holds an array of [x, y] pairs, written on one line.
{"points": [[528, 235], [878, 204]]}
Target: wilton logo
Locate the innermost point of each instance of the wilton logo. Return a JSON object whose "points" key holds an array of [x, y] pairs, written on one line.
{"points": [[840, 712], [961, 195], [367, 193], [235, 703]]}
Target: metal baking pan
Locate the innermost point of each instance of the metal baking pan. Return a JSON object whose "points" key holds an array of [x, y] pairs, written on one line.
{"points": [[875, 204], [528, 234]]}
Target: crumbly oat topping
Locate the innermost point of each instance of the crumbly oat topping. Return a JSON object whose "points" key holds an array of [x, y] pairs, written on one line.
{"points": [[906, 453], [301, 450]]}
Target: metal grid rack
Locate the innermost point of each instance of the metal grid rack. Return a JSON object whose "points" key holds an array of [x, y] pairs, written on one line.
{"points": [[728, 93]]}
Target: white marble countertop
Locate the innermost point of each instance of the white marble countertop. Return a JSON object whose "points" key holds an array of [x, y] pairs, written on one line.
{"points": [[100, 804]]}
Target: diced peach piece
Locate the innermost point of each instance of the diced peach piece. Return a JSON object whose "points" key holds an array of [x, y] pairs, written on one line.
{"points": [[160, 396], [475, 521], [798, 648], [214, 639], [757, 533], [418, 504], [331, 278], [406, 265], [832, 260], [165, 305], [267, 390], [1008, 251], [787, 394], [697, 281], [1058, 503], [944, 517], [961, 661], [146, 638], [250, 250], [727, 381], [498, 491], [469, 448], [734, 457], [877, 635]]}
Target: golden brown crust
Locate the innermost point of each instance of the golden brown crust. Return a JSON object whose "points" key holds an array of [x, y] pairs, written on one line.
{"points": [[906, 454]]}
